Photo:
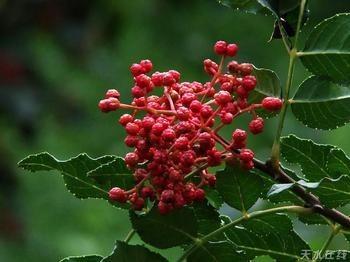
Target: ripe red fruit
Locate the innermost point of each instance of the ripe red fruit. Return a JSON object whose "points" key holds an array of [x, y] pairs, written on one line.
{"points": [[220, 47], [138, 204], [246, 155], [132, 128], [239, 135], [176, 75], [168, 79], [231, 49], [222, 97], [126, 118], [143, 80], [272, 103], [249, 82], [168, 135], [199, 194], [195, 106], [136, 69], [167, 196], [112, 93], [147, 192], [157, 78], [226, 118], [246, 69], [146, 65], [181, 143], [211, 180], [109, 104], [233, 66], [131, 141], [131, 159], [117, 194], [256, 126]]}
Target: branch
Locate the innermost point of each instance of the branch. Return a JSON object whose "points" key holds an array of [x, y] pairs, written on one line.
{"points": [[310, 199]]}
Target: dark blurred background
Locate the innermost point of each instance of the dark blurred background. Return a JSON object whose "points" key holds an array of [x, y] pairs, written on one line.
{"points": [[57, 58]]}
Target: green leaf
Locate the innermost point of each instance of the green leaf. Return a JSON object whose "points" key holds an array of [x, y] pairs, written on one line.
{"points": [[268, 84], [114, 171], [338, 163], [271, 235], [322, 104], [213, 197], [333, 192], [311, 157], [222, 251], [239, 188], [327, 50], [127, 253], [90, 258], [75, 172], [208, 218], [164, 231], [283, 10]]}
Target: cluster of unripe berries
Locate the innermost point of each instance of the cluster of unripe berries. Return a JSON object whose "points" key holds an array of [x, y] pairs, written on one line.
{"points": [[176, 136]]}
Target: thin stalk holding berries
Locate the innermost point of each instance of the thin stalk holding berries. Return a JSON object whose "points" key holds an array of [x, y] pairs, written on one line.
{"points": [[275, 154]]}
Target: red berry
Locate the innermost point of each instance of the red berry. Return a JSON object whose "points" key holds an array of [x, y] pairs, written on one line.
{"points": [[147, 192], [239, 135], [199, 194], [211, 179], [195, 106], [168, 79], [176, 75], [157, 79], [246, 155], [220, 47], [181, 143], [131, 159], [272, 103], [138, 204], [137, 91], [248, 165], [168, 135], [249, 83], [132, 128], [256, 126], [143, 80], [183, 113], [112, 93], [131, 141], [109, 104], [246, 69], [146, 65], [148, 122], [117, 194], [206, 111], [167, 196], [231, 49], [233, 67], [136, 69], [222, 98], [226, 118], [157, 129], [126, 118]]}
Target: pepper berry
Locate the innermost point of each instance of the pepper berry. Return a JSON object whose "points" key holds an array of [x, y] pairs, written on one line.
{"points": [[175, 136]]}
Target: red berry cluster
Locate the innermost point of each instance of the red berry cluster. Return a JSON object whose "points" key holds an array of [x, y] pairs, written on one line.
{"points": [[176, 138]]}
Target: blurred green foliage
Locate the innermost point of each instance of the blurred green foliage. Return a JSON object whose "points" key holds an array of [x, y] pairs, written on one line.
{"points": [[57, 58]]}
